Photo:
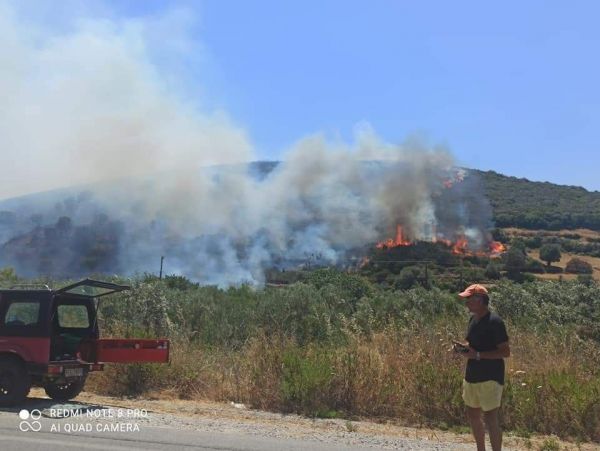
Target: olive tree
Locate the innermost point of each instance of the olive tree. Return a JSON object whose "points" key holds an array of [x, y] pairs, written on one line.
{"points": [[550, 253]]}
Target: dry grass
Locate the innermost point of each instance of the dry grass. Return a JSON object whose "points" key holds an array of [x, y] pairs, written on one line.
{"points": [[535, 253], [405, 374], [384, 356], [565, 257]]}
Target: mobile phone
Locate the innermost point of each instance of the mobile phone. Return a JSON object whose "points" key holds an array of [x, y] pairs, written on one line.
{"points": [[460, 348]]}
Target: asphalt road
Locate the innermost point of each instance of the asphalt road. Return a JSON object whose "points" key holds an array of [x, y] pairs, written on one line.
{"points": [[147, 438], [50, 426]]}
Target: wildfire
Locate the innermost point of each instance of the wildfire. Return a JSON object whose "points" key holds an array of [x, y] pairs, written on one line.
{"points": [[399, 241], [458, 177], [458, 247], [496, 248], [442, 240], [461, 246]]}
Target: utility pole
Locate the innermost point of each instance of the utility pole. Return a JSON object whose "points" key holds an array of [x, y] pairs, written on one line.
{"points": [[161, 265]]}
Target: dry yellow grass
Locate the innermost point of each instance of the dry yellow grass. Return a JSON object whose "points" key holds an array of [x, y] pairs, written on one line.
{"points": [[594, 261], [409, 375], [584, 233]]}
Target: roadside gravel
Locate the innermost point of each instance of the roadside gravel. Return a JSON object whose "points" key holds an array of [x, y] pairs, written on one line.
{"points": [[175, 414]]}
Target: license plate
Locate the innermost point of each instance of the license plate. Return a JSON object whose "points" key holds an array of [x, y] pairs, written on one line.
{"points": [[73, 372]]}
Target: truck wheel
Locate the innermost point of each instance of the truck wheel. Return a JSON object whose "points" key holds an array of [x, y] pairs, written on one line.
{"points": [[14, 382], [66, 391]]}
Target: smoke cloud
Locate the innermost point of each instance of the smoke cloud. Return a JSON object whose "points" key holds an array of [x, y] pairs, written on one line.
{"points": [[88, 108], [87, 103]]}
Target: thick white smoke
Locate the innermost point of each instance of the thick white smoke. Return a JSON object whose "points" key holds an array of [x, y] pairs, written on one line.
{"points": [[227, 225], [87, 107], [86, 103]]}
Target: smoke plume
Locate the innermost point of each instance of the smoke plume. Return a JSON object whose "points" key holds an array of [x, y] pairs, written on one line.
{"points": [[87, 104], [153, 175]]}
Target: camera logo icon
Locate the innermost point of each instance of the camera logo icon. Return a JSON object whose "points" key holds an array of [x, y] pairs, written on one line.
{"points": [[30, 420]]}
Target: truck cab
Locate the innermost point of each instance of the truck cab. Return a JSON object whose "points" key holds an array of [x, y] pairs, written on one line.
{"points": [[50, 338]]}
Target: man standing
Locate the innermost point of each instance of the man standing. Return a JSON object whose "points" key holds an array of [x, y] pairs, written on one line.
{"points": [[485, 351]]}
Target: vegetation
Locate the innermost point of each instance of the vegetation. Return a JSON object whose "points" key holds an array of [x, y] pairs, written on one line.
{"points": [[518, 202], [567, 242], [550, 253], [515, 260], [338, 345], [578, 266]]}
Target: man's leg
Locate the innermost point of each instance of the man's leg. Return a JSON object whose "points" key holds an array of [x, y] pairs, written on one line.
{"points": [[474, 416], [493, 424]]}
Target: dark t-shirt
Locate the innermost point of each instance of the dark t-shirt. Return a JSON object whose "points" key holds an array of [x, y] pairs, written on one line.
{"points": [[485, 335]]}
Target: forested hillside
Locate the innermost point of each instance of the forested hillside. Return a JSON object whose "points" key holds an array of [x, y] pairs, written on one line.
{"points": [[519, 202]]}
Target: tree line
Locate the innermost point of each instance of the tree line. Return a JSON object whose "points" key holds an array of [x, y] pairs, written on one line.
{"points": [[518, 202]]}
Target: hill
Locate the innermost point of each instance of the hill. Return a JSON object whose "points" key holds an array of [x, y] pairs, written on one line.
{"points": [[72, 232], [518, 202]]}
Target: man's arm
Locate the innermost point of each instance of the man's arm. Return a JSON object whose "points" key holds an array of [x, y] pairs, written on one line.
{"points": [[502, 352]]}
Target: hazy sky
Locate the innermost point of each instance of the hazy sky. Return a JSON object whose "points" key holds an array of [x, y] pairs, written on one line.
{"points": [[509, 86]]}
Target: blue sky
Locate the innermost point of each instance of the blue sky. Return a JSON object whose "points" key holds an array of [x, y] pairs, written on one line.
{"points": [[510, 86]]}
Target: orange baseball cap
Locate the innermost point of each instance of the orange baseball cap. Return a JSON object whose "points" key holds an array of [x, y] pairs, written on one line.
{"points": [[473, 289]]}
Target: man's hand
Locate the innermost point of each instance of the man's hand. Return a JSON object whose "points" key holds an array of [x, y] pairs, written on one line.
{"points": [[461, 348], [472, 354]]}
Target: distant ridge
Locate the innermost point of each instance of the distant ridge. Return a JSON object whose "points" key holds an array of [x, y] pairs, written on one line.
{"points": [[518, 202]]}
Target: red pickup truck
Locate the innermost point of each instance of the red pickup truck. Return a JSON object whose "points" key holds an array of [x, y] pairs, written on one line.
{"points": [[50, 338]]}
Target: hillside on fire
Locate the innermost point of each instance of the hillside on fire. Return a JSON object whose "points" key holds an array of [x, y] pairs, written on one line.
{"points": [[412, 221]]}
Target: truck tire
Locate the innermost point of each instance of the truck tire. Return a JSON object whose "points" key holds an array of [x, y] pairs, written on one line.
{"points": [[14, 382], [64, 392]]}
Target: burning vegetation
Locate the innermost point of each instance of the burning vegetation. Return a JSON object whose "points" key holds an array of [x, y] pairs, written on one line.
{"points": [[459, 247], [316, 203], [457, 236]]}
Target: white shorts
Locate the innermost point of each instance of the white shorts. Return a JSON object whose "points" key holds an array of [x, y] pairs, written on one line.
{"points": [[482, 395]]}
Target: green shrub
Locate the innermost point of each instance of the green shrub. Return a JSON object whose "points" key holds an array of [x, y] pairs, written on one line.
{"points": [[409, 277], [534, 266], [578, 266], [550, 444], [305, 381], [492, 271]]}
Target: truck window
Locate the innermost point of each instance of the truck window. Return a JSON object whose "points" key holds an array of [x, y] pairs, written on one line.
{"points": [[22, 313], [73, 316]]}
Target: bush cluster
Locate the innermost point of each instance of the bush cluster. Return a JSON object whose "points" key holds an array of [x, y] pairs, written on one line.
{"points": [[336, 344]]}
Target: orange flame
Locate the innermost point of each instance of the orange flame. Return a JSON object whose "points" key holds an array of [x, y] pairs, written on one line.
{"points": [[399, 241], [458, 177], [497, 248], [460, 247]]}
